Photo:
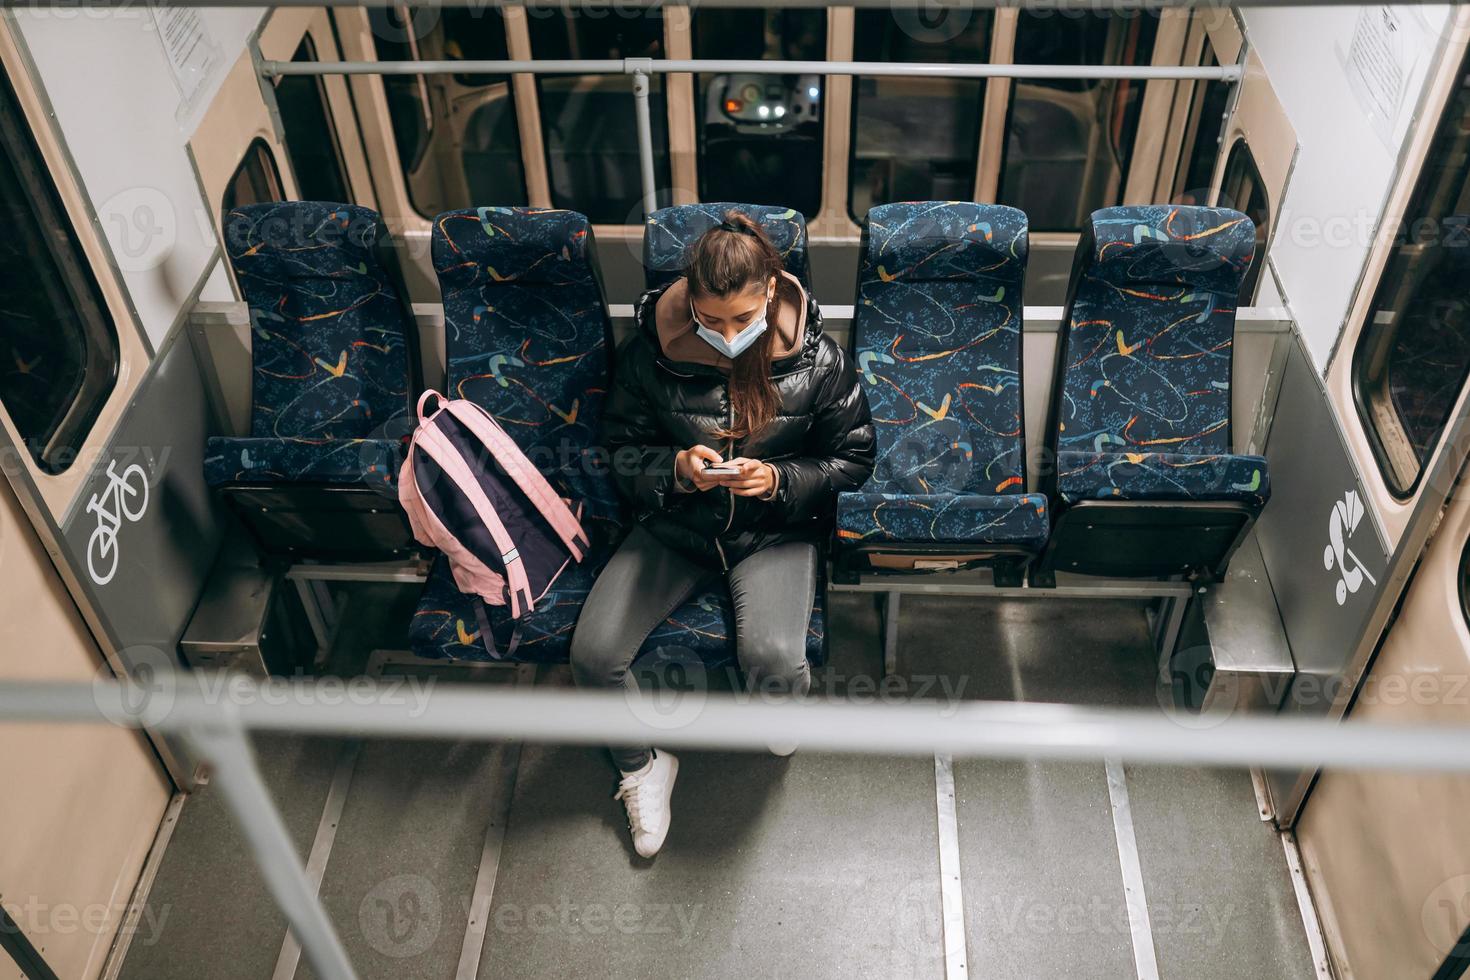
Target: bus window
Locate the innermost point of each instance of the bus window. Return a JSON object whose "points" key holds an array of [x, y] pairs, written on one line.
{"points": [[1068, 142], [1241, 189], [458, 138], [1201, 147], [760, 136], [589, 121], [311, 139], [915, 139], [256, 179], [58, 344], [1413, 356]]}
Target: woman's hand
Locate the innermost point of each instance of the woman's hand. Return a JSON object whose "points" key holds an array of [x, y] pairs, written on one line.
{"points": [[689, 466], [755, 479]]}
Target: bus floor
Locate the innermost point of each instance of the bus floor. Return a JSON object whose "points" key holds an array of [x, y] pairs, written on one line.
{"points": [[809, 866]]}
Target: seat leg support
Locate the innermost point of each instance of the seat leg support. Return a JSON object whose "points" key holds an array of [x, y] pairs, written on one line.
{"points": [[890, 633]]}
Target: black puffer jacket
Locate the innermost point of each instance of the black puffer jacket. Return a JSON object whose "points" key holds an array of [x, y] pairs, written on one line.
{"points": [[820, 442]]}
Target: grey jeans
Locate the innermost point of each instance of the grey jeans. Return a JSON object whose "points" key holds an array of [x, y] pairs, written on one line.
{"points": [[646, 580]]}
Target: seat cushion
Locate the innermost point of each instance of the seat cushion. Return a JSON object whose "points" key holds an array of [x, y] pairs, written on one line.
{"points": [[1162, 476], [445, 625], [960, 518], [937, 341], [329, 326], [670, 231], [374, 462]]}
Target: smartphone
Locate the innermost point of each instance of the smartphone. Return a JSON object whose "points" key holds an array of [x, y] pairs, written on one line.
{"points": [[721, 469]]}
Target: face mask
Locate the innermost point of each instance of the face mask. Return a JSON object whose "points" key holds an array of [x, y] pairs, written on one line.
{"points": [[732, 349]]}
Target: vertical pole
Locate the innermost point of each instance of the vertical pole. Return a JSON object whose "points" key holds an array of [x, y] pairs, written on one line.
{"points": [[645, 142], [227, 750], [890, 633]]}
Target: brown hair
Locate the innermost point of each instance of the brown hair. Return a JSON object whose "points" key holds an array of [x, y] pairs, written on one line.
{"points": [[730, 258]]}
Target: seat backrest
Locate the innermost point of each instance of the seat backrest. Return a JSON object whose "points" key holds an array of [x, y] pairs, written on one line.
{"points": [[527, 335], [331, 329], [669, 232], [1145, 354], [936, 338]]}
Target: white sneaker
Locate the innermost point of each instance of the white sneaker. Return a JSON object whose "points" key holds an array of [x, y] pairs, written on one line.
{"points": [[782, 749], [646, 795]]}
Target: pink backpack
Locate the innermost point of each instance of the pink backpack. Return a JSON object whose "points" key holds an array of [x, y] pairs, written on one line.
{"points": [[469, 491]]}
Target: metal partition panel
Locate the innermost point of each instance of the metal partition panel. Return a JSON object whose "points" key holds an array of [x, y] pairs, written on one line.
{"points": [[1324, 552]]}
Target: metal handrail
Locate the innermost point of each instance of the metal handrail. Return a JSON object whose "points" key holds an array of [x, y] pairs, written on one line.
{"points": [[215, 720], [642, 68]]}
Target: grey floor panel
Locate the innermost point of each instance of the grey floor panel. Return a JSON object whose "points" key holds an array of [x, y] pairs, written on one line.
{"points": [[1039, 864], [403, 867], [811, 867], [209, 913], [1219, 894]]}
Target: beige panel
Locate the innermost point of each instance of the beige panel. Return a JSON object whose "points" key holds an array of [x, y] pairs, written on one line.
{"points": [[528, 109], [1260, 120], [58, 491], [996, 109], [235, 119], [1386, 854], [683, 140], [279, 40], [1392, 512], [81, 803], [1224, 31], [371, 101], [1153, 116], [833, 221], [1181, 132]]}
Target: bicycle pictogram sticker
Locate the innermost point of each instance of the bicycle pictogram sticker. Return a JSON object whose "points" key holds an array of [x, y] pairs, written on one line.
{"points": [[124, 498]]}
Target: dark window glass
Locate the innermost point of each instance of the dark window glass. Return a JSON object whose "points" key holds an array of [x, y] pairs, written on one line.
{"points": [[588, 121], [311, 139], [760, 136], [58, 344], [1201, 147], [916, 139], [1069, 142], [1241, 189], [1413, 355], [457, 135], [256, 180]]}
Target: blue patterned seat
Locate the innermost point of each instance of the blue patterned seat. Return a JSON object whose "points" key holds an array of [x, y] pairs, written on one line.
{"points": [[527, 337], [670, 231], [937, 339], [333, 377], [1142, 412]]}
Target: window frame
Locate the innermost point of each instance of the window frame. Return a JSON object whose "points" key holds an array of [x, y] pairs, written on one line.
{"points": [[259, 148], [78, 278], [1263, 235]]}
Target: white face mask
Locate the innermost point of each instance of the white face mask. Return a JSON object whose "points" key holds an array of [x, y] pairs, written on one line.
{"points": [[732, 349]]}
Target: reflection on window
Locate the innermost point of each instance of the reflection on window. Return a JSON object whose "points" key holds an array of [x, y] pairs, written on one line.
{"points": [[1241, 189], [588, 121], [760, 136], [311, 139], [1413, 357], [256, 180], [58, 344], [457, 135], [916, 139], [1069, 142], [1200, 149]]}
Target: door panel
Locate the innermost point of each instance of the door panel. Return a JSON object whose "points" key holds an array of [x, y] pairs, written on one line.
{"points": [[1386, 854], [81, 803]]}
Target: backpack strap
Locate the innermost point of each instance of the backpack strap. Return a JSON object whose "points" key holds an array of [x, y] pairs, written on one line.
{"points": [[487, 635], [532, 483], [438, 448]]}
